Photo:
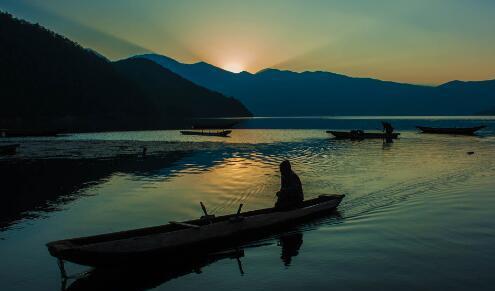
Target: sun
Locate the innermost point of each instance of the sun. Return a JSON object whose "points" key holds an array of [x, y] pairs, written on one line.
{"points": [[233, 67]]}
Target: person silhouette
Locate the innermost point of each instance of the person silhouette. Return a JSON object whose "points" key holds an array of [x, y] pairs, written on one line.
{"points": [[387, 127], [291, 193]]}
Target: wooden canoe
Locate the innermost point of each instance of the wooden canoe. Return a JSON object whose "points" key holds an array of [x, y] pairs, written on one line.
{"points": [[185, 239], [223, 133], [451, 130], [9, 149], [357, 134]]}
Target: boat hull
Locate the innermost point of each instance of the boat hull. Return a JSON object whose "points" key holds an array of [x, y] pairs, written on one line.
{"points": [[175, 241], [27, 133], [450, 130], [362, 135], [10, 149], [223, 133]]}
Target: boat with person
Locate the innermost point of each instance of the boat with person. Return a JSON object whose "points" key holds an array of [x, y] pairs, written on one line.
{"points": [[221, 133], [387, 134], [186, 239], [9, 149], [360, 134], [451, 130]]}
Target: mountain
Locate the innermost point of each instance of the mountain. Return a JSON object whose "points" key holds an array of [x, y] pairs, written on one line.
{"points": [[48, 81], [273, 92], [176, 95], [487, 112]]}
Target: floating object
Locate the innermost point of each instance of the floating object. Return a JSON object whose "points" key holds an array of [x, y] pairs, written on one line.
{"points": [[359, 134], [9, 149], [451, 130], [470, 153], [222, 133], [183, 239]]}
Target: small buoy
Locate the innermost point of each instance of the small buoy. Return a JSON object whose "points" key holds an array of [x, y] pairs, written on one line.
{"points": [[470, 153]]}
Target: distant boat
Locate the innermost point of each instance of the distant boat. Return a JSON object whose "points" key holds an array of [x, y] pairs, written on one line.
{"points": [[359, 134], [9, 149], [222, 133], [27, 133], [214, 123], [451, 130], [185, 239]]}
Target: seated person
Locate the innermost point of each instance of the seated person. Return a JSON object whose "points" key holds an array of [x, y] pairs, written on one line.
{"points": [[291, 194], [387, 127]]}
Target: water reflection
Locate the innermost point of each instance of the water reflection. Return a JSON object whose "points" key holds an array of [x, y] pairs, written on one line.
{"points": [[148, 276], [33, 187], [290, 244], [238, 174], [380, 180], [160, 271]]}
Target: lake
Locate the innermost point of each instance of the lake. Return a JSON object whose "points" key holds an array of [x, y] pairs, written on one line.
{"points": [[418, 213]]}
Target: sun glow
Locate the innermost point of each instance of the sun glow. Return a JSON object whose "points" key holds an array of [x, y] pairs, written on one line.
{"points": [[234, 67]]}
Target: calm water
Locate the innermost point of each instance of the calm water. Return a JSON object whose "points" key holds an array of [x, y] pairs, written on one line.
{"points": [[418, 215]]}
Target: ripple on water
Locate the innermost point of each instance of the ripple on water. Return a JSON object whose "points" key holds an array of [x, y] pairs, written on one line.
{"points": [[402, 200]]}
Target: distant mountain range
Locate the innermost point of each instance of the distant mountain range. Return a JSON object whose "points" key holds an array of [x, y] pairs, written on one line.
{"points": [[48, 81], [487, 112], [273, 92]]}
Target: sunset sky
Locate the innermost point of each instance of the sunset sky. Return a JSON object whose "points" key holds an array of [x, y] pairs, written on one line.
{"points": [[420, 41]]}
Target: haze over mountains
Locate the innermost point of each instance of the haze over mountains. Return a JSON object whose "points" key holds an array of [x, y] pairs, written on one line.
{"points": [[273, 92], [48, 81]]}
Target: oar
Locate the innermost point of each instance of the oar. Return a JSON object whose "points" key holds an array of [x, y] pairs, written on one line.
{"points": [[204, 208], [239, 210], [239, 263], [185, 224], [206, 216], [237, 217]]}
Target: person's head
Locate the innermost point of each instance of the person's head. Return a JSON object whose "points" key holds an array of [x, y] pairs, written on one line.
{"points": [[285, 168]]}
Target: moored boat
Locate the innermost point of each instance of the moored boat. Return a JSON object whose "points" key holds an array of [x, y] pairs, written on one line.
{"points": [[359, 134], [185, 239], [451, 130], [27, 133], [222, 133], [9, 149]]}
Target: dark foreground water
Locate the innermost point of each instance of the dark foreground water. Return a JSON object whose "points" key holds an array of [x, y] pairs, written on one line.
{"points": [[419, 213]]}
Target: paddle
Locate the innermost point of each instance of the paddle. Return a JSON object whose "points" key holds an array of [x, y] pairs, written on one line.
{"points": [[206, 216], [239, 210]]}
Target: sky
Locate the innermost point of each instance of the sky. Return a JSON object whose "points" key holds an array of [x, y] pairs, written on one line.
{"points": [[420, 41]]}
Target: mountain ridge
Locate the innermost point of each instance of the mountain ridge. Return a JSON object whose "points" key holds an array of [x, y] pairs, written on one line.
{"points": [[274, 92], [154, 55], [49, 81]]}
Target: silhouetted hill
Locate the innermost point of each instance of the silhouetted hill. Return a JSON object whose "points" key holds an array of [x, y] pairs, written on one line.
{"points": [[48, 81], [469, 88], [175, 95], [275, 92]]}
